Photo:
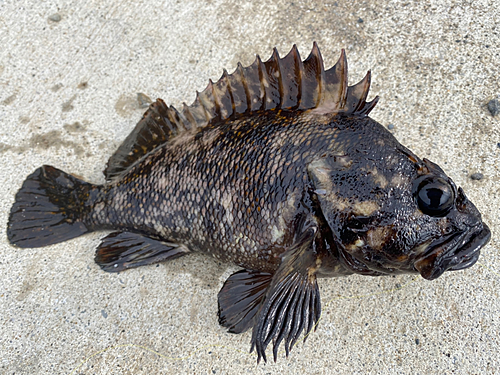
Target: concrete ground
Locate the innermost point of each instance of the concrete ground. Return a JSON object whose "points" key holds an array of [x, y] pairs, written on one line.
{"points": [[70, 72]]}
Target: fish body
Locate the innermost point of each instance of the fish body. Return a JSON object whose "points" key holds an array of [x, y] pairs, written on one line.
{"points": [[276, 168]]}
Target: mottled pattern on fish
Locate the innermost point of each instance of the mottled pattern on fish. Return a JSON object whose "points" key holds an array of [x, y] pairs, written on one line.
{"points": [[276, 168], [232, 191]]}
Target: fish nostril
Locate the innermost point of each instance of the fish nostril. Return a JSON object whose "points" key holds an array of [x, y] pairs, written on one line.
{"points": [[461, 200], [448, 229]]}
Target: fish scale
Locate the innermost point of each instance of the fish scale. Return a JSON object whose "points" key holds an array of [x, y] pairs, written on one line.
{"points": [[278, 169]]}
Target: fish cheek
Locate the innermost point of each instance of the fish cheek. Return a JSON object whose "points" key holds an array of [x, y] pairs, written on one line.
{"points": [[388, 247], [377, 238]]}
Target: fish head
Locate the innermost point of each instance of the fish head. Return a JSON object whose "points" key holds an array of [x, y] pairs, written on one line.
{"points": [[390, 212]]}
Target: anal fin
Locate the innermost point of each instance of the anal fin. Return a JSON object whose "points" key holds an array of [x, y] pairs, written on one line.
{"points": [[240, 299], [122, 250]]}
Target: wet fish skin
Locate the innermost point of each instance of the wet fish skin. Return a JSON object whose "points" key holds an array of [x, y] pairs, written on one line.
{"points": [[276, 168], [233, 192]]}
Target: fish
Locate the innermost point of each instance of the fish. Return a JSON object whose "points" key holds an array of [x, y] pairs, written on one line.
{"points": [[276, 168]]}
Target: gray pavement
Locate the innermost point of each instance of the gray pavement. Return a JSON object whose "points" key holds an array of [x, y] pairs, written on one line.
{"points": [[70, 72]]}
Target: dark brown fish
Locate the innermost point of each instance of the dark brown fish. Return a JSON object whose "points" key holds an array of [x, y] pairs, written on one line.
{"points": [[278, 169]]}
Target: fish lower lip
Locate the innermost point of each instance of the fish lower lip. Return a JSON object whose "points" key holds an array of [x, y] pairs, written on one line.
{"points": [[468, 254], [455, 253], [466, 263]]}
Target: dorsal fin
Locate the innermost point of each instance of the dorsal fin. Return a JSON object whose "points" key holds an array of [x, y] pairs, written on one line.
{"points": [[279, 83], [159, 124]]}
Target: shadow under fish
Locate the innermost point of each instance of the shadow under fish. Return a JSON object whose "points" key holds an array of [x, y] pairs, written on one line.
{"points": [[276, 168]]}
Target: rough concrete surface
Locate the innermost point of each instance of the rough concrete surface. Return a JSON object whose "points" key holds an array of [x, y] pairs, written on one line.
{"points": [[70, 72]]}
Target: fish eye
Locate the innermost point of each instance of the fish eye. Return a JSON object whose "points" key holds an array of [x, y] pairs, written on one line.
{"points": [[434, 195]]}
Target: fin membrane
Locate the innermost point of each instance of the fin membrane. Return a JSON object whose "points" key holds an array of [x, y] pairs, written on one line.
{"points": [[240, 299], [279, 83], [122, 250], [49, 208], [292, 302], [157, 125]]}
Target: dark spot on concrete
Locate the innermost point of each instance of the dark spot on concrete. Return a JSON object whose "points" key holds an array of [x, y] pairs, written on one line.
{"points": [[26, 288], [53, 139], [83, 85], [68, 106], [56, 17], [74, 127], [494, 107], [498, 144], [4, 147], [103, 145], [417, 341], [56, 87], [44, 142], [360, 20], [126, 105], [9, 100], [195, 306], [477, 176], [143, 100], [104, 314], [398, 286], [390, 126]]}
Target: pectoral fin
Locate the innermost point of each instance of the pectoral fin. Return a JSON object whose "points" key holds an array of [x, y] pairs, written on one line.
{"points": [[292, 302]]}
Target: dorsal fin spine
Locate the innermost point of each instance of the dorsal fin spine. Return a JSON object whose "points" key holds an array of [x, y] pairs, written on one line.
{"points": [[225, 76], [299, 67], [199, 101], [321, 71], [263, 81], [366, 86], [290, 73], [241, 72], [369, 106], [217, 103], [343, 79], [276, 59], [177, 124], [188, 115]]}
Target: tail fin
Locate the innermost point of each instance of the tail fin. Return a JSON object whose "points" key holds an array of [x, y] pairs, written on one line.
{"points": [[49, 208]]}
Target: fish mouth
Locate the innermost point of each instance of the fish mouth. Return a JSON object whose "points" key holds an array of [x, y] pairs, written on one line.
{"points": [[454, 253]]}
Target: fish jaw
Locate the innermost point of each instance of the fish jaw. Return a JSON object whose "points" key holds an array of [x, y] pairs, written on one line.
{"points": [[457, 252]]}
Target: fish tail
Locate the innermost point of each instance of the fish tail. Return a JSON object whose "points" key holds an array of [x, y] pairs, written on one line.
{"points": [[50, 207]]}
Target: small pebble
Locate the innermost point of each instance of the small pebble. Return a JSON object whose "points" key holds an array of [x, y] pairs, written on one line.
{"points": [[477, 176], [55, 17], [360, 20], [390, 126], [494, 107], [417, 341]]}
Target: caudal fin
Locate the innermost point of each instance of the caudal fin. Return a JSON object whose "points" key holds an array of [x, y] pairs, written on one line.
{"points": [[49, 208]]}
